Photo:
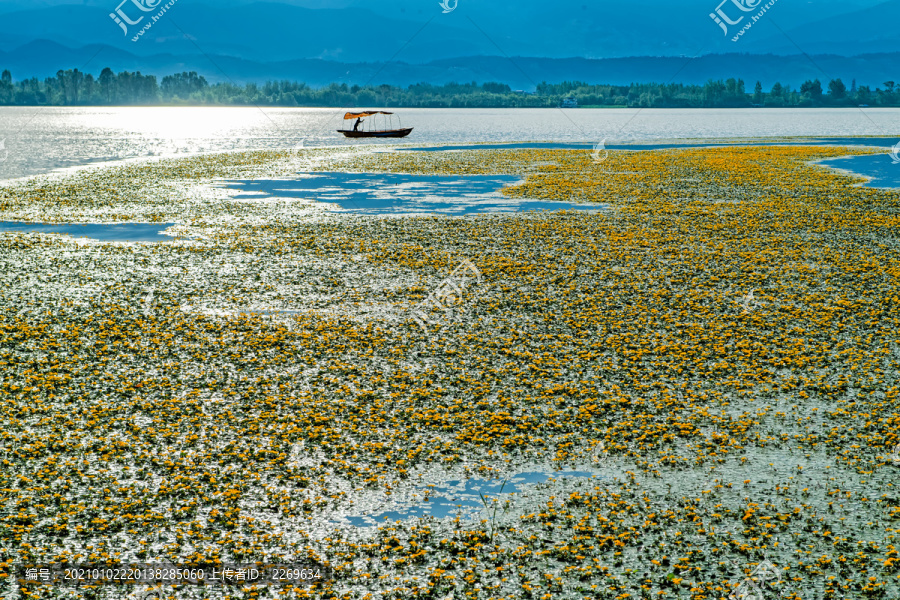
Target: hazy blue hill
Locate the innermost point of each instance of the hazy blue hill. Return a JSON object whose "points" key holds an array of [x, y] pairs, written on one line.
{"points": [[69, 25], [866, 30], [354, 31], [274, 32], [263, 32], [44, 58], [867, 70]]}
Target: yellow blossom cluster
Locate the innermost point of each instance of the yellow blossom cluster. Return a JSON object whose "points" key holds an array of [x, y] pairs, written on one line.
{"points": [[728, 330]]}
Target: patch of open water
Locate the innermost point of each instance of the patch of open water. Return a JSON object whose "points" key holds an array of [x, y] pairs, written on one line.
{"points": [[117, 232], [465, 497], [401, 194], [882, 170]]}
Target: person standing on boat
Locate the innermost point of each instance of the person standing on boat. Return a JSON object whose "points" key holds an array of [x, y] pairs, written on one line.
{"points": [[356, 125]]}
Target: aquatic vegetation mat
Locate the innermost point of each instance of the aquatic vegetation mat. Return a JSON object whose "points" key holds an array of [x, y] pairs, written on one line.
{"points": [[720, 352]]}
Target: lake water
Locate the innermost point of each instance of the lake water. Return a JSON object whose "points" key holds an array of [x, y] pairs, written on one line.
{"points": [[883, 170], [118, 232], [462, 497], [395, 194], [41, 139]]}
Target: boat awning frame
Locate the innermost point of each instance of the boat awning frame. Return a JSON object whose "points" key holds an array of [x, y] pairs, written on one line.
{"points": [[367, 113]]}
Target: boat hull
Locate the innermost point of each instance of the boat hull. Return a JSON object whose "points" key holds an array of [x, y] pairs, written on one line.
{"points": [[389, 133]]}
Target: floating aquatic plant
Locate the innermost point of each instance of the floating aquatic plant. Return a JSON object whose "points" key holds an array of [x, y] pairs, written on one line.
{"points": [[274, 383]]}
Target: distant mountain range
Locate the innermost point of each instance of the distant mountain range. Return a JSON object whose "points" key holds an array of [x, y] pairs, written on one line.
{"points": [[417, 32], [401, 42], [44, 58]]}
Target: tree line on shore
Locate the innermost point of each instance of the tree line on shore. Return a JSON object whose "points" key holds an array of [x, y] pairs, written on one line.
{"points": [[74, 88]]}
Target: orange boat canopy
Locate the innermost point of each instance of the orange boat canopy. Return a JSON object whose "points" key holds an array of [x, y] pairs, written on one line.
{"points": [[368, 113]]}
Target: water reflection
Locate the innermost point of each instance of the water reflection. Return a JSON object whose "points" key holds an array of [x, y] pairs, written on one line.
{"points": [[401, 194], [40, 139], [461, 496], [117, 232], [884, 172]]}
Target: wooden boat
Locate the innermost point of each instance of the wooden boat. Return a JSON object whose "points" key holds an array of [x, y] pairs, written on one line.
{"points": [[389, 133], [386, 131]]}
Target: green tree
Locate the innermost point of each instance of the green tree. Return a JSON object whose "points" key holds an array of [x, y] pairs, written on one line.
{"points": [[7, 90], [864, 94], [776, 96], [495, 88], [76, 79], [836, 89], [812, 88], [107, 82], [183, 85]]}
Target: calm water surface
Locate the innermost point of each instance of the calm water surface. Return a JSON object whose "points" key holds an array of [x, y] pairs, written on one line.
{"points": [[41, 139], [118, 232], [462, 496], [400, 194], [882, 169]]}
